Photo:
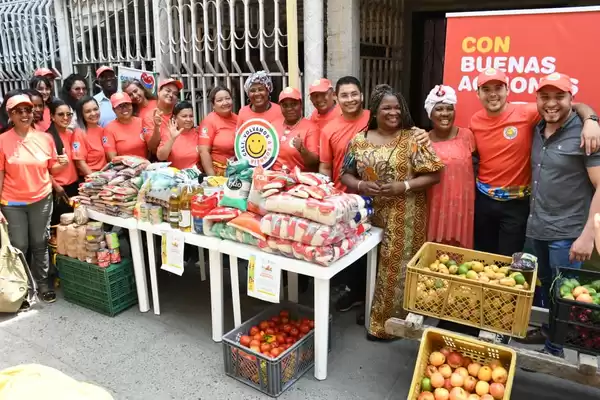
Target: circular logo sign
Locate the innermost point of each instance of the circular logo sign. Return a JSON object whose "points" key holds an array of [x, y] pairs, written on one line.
{"points": [[147, 80], [257, 141], [510, 132]]}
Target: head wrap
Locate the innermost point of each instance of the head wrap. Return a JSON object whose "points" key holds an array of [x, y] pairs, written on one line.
{"points": [[259, 77], [439, 94]]}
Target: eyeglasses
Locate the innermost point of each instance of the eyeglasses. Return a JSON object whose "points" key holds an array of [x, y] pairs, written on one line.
{"points": [[21, 110], [64, 114]]}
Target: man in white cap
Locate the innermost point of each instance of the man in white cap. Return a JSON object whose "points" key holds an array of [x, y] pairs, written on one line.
{"points": [[108, 82]]}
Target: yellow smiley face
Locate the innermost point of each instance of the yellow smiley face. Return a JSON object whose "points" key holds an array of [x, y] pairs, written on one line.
{"points": [[256, 145]]}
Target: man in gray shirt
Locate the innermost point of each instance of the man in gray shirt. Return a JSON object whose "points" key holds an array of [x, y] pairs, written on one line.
{"points": [[560, 226]]}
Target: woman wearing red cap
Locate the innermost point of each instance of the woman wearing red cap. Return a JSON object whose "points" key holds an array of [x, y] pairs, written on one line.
{"points": [[124, 135], [258, 88], [217, 133], [180, 144], [144, 102], [89, 140], [26, 157], [156, 123], [298, 137]]}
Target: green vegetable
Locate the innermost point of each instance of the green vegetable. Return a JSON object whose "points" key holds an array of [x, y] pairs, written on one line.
{"points": [[569, 297], [565, 290], [574, 282], [596, 285]]}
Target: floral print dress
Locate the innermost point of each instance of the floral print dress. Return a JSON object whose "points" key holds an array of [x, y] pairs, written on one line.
{"points": [[403, 218]]}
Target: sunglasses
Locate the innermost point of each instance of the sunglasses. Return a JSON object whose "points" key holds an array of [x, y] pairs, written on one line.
{"points": [[22, 110], [64, 114]]}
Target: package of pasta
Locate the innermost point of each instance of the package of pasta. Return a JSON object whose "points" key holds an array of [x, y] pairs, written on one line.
{"points": [[309, 232], [237, 190], [266, 183], [329, 211]]}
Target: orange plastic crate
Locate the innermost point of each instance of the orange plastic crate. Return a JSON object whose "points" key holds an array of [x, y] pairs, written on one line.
{"points": [[494, 308]]}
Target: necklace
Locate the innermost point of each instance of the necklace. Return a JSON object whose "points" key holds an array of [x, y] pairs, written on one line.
{"points": [[288, 129]]}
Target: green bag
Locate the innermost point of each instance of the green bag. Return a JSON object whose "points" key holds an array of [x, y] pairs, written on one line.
{"points": [[14, 275]]}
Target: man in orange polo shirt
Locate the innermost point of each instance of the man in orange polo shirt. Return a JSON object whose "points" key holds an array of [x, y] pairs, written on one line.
{"points": [[503, 135], [323, 99]]}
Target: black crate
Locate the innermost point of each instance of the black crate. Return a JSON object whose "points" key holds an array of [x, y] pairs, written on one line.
{"points": [[573, 324]]}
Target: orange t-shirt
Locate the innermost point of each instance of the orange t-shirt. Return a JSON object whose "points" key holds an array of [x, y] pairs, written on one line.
{"points": [[68, 174], [148, 110], [289, 156], [26, 163], [89, 147], [271, 115], [219, 133], [44, 124], [334, 140], [148, 125], [184, 152], [126, 139], [323, 119], [504, 145]]}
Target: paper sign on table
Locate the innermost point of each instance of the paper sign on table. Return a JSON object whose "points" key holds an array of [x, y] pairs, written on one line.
{"points": [[172, 252], [264, 279]]}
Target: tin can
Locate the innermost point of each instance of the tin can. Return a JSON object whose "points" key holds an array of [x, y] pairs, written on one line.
{"points": [[115, 256], [103, 255], [155, 215], [144, 212]]}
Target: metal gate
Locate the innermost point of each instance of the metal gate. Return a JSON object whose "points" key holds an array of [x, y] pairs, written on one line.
{"points": [[201, 42], [28, 39], [381, 44]]}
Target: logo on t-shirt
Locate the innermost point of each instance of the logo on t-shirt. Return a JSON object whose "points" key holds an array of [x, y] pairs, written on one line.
{"points": [[510, 132], [104, 140], [204, 132], [75, 146], [257, 141]]}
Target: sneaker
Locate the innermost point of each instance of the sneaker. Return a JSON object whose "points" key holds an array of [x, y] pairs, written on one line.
{"points": [[347, 301], [502, 339], [49, 296]]}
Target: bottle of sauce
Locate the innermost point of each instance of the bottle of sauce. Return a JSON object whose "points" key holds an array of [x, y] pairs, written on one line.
{"points": [[174, 208]]}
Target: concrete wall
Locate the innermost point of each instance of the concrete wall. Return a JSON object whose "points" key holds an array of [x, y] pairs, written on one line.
{"points": [[343, 38]]}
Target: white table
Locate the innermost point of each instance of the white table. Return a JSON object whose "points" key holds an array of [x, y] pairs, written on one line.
{"points": [[212, 244], [322, 276], [137, 253]]}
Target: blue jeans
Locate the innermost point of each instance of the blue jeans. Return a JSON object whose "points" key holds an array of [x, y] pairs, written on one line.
{"points": [[551, 255]]}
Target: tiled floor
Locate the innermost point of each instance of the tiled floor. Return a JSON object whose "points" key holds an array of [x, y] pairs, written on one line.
{"points": [[171, 356]]}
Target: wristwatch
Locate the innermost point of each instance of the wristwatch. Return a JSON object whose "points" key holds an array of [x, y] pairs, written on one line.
{"points": [[593, 118]]}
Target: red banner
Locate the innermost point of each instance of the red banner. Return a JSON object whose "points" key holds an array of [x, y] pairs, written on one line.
{"points": [[526, 45]]}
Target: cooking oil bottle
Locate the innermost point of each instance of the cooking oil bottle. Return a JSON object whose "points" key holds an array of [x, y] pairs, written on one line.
{"points": [[174, 208], [185, 208]]}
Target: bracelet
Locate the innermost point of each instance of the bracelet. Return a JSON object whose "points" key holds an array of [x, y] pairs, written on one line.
{"points": [[358, 186], [406, 186]]}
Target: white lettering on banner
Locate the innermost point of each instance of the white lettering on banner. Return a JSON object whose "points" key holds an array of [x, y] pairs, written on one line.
{"points": [[513, 66]]}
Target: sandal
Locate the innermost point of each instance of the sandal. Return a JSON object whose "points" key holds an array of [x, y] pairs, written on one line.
{"points": [[49, 296]]}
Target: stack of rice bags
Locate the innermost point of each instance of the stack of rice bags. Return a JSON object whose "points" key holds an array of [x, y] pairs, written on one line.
{"points": [[113, 190], [305, 217], [230, 219]]}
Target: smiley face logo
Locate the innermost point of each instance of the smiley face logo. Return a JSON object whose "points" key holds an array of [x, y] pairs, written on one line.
{"points": [[256, 145], [257, 141], [510, 132]]}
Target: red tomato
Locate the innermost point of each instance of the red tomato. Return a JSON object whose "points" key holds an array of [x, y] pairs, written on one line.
{"points": [[253, 331], [265, 347], [284, 313], [275, 352], [267, 354], [281, 338], [258, 337], [245, 340], [304, 329], [255, 343], [294, 332], [275, 319], [301, 335], [270, 331], [304, 321], [284, 320], [311, 324], [271, 324], [287, 328], [289, 340], [263, 325], [255, 348]]}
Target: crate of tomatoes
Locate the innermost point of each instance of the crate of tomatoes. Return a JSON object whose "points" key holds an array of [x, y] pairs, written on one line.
{"points": [[272, 350]]}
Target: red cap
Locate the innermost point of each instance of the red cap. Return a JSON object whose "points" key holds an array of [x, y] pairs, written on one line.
{"points": [[102, 70], [44, 72], [290, 93], [171, 81], [558, 80], [320, 86], [119, 98], [17, 100], [489, 75]]}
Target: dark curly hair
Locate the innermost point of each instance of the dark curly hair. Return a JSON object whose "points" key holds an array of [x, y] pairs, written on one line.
{"points": [[65, 94], [377, 95]]}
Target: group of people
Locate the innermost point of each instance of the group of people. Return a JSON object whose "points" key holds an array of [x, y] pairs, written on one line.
{"points": [[424, 185]]}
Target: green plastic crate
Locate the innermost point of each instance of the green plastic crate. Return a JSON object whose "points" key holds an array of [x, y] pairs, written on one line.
{"points": [[105, 290]]}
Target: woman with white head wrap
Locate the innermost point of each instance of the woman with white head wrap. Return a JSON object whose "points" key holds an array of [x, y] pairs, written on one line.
{"points": [[452, 201], [258, 88]]}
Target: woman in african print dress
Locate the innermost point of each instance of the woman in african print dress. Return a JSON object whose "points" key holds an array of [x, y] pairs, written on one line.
{"points": [[386, 163]]}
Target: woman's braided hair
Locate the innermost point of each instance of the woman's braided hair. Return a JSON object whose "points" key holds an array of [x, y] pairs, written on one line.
{"points": [[379, 92]]}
